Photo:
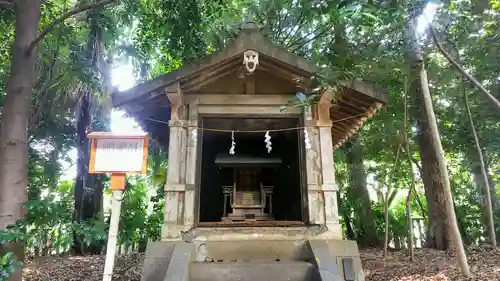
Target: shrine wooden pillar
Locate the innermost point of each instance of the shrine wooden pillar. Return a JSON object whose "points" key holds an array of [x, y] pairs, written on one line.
{"points": [[313, 169], [329, 187], [176, 190], [322, 188], [191, 166]]}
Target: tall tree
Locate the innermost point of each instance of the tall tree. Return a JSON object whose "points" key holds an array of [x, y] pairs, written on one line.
{"points": [[435, 172], [15, 112]]}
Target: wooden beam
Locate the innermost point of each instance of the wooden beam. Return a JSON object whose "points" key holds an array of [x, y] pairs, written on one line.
{"points": [[324, 110], [208, 77], [176, 98], [250, 109], [174, 93], [367, 90], [336, 128], [348, 124], [299, 80], [359, 99], [346, 109], [250, 84], [336, 115], [353, 105], [238, 99]]}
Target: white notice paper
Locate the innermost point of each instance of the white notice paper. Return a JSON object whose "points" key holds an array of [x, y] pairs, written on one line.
{"points": [[119, 155]]}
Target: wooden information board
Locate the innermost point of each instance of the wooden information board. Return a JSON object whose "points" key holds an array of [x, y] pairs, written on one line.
{"points": [[118, 154]]}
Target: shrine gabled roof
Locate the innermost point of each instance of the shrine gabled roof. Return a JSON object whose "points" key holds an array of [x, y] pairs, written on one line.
{"points": [[355, 101], [189, 76]]}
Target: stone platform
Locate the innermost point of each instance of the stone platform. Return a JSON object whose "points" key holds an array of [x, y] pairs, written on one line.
{"points": [[211, 255]]}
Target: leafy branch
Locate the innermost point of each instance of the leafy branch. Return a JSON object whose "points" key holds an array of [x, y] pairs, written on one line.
{"points": [[460, 69], [65, 16]]}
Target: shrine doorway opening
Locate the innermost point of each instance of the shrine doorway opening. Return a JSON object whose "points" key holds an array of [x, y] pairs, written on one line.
{"points": [[252, 186]]}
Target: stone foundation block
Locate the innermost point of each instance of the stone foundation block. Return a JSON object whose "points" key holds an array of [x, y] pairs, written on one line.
{"points": [[167, 261], [337, 260]]}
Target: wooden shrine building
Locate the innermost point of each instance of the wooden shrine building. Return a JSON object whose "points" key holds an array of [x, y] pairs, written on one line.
{"points": [[231, 196]]}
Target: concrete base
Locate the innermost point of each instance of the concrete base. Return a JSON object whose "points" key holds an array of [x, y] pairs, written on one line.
{"points": [[337, 260], [254, 271], [300, 257], [167, 260], [262, 233], [156, 260]]}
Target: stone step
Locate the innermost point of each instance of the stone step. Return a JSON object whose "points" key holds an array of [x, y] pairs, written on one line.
{"points": [[254, 271], [254, 250]]}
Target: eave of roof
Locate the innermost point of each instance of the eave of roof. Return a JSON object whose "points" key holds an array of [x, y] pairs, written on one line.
{"points": [[249, 38], [356, 103], [358, 100]]}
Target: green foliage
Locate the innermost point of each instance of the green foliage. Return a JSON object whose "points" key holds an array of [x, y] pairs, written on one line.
{"points": [[48, 227], [154, 221], [8, 264], [142, 213]]}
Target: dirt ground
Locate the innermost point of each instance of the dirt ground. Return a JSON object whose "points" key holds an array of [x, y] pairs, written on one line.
{"points": [[429, 265]]}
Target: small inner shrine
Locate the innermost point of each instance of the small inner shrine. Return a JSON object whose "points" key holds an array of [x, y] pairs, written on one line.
{"points": [[255, 183]]}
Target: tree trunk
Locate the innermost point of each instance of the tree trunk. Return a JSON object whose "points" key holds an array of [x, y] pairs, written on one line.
{"points": [[15, 112], [437, 234], [89, 188], [433, 161], [475, 169], [366, 230], [412, 176], [83, 210], [494, 196], [482, 183], [386, 222]]}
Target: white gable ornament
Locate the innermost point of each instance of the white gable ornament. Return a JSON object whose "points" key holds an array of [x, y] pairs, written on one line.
{"points": [[251, 60]]}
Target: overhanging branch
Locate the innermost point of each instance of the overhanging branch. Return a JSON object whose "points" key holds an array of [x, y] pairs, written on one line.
{"points": [[65, 16], [462, 71]]}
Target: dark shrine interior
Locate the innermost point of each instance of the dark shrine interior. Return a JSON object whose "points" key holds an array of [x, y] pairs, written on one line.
{"points": [[285, 176]]}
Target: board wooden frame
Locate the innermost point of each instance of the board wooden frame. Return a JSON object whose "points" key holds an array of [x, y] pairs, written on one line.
{"points": [[95, 136]]}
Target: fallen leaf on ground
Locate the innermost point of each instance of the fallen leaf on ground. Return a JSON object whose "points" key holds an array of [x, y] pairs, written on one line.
{"points": [[429, 265]]}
